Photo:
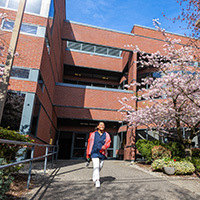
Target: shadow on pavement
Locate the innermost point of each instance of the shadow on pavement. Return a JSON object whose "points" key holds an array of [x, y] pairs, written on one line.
{"points": [[46, 184], [107, 179]]}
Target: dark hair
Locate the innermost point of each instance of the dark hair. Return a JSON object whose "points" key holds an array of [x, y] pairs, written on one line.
{"points": [[98, 125], [101, 122]]}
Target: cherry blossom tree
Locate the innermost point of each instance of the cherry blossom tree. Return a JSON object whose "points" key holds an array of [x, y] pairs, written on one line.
{"points": [[2, 41], [171, 105], [190, 14]]}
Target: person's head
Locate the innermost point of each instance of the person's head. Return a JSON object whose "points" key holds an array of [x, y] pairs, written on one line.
{"points": [[101, 126]]}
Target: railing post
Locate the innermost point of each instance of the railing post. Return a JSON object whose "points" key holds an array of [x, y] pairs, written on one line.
{"points": [[57, 149], [30, 167], [45, 161], [52, 161]]}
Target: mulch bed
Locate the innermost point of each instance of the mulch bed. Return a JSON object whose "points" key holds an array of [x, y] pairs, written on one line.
{"points": [[19, 186]]}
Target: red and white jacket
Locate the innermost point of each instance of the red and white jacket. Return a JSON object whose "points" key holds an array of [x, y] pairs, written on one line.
{"points": [[91, 143]]}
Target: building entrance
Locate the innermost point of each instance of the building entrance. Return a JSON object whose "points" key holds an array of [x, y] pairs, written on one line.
{"points": [[79, 145], [65, 145]]}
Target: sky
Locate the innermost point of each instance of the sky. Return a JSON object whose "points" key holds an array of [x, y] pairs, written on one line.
{"points": [[121, 15]]}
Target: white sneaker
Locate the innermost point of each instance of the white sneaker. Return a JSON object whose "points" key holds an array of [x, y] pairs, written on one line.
{"points": [[97, 184]]}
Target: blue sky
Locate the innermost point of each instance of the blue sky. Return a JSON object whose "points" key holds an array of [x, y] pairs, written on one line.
{"points": [[121, 15]]}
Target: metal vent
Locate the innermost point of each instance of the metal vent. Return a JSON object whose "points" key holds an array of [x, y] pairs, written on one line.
{"points": [[101, 50], [88, 48], [91, 48], [73, 45], [113, 52]]}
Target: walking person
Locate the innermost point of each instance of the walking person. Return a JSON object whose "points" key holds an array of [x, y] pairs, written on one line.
{"points": [[98, 143]]}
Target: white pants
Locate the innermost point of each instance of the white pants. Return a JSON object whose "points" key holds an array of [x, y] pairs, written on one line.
{"points": [[97, 166]]}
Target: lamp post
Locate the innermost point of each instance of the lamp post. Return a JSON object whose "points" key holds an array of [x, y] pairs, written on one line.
{"points": [[10, 57]]}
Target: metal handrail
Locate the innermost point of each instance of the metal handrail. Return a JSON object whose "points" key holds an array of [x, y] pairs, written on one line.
{"points": [[4, 141]]}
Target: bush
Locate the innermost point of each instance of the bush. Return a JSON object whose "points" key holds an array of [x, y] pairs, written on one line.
{"points": [[184, 167], [196, 152], [160, 152], [144, 147], [196, 162], [176, 148], [10, 151], [158, 164], [5, 179]]}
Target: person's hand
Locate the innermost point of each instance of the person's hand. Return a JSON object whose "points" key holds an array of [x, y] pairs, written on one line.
{"points": [[103, 147]]}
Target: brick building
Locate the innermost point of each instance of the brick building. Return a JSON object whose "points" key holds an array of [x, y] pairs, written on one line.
{"points": [[71, 75]]}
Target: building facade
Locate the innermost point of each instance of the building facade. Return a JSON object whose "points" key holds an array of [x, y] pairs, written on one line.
{"points": [[71, 76]]}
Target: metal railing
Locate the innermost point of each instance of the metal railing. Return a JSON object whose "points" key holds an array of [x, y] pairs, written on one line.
{"points": [[47, 154]]}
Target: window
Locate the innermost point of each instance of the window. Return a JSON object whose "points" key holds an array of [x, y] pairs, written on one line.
{"points": [[13, 110], [91, 48], [20, 73], [13, 4], [3, 3], [47, 44], [41, 82], [25, 28], [35, 116], [32, 6]]}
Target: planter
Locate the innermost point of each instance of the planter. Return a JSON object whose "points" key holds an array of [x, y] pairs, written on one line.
{"points": [[169, 170]]}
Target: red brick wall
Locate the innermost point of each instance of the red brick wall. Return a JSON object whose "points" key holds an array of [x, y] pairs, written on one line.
{"points": [[92, 61], [72, 96], [22, 85], [95, 35]]}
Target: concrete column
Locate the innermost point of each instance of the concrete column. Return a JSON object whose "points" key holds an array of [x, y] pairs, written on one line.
{"points": [[27, 113]]}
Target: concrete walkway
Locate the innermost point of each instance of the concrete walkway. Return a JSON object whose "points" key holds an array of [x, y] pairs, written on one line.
{"points": [[119, 180]]}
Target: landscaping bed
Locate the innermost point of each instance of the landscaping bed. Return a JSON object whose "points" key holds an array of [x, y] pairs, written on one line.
{"points": [[19, 186], [147, 167]]}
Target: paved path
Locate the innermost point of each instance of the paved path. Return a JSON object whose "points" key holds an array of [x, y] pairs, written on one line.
{"points": [[119, 180]]}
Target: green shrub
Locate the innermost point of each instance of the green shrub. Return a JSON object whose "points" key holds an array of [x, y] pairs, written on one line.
{"points": [[157, 165], [196, 162], [5, 179], [10, 151], [176, 148], [160, 152], [196, 152], [184, 167], [145, 146]]}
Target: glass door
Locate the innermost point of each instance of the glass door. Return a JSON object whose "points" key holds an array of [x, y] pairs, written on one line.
{"points": [[79, 145]]}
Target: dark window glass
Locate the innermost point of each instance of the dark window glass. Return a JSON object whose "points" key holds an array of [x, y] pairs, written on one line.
{"points": [[8, 25], [13, 111], [41, 82], [21, 73], [35, 117], [29, 29], [24, 27]]}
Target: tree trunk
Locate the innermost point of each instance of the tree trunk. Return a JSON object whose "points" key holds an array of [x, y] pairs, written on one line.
{"points": [[188, 149]]}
